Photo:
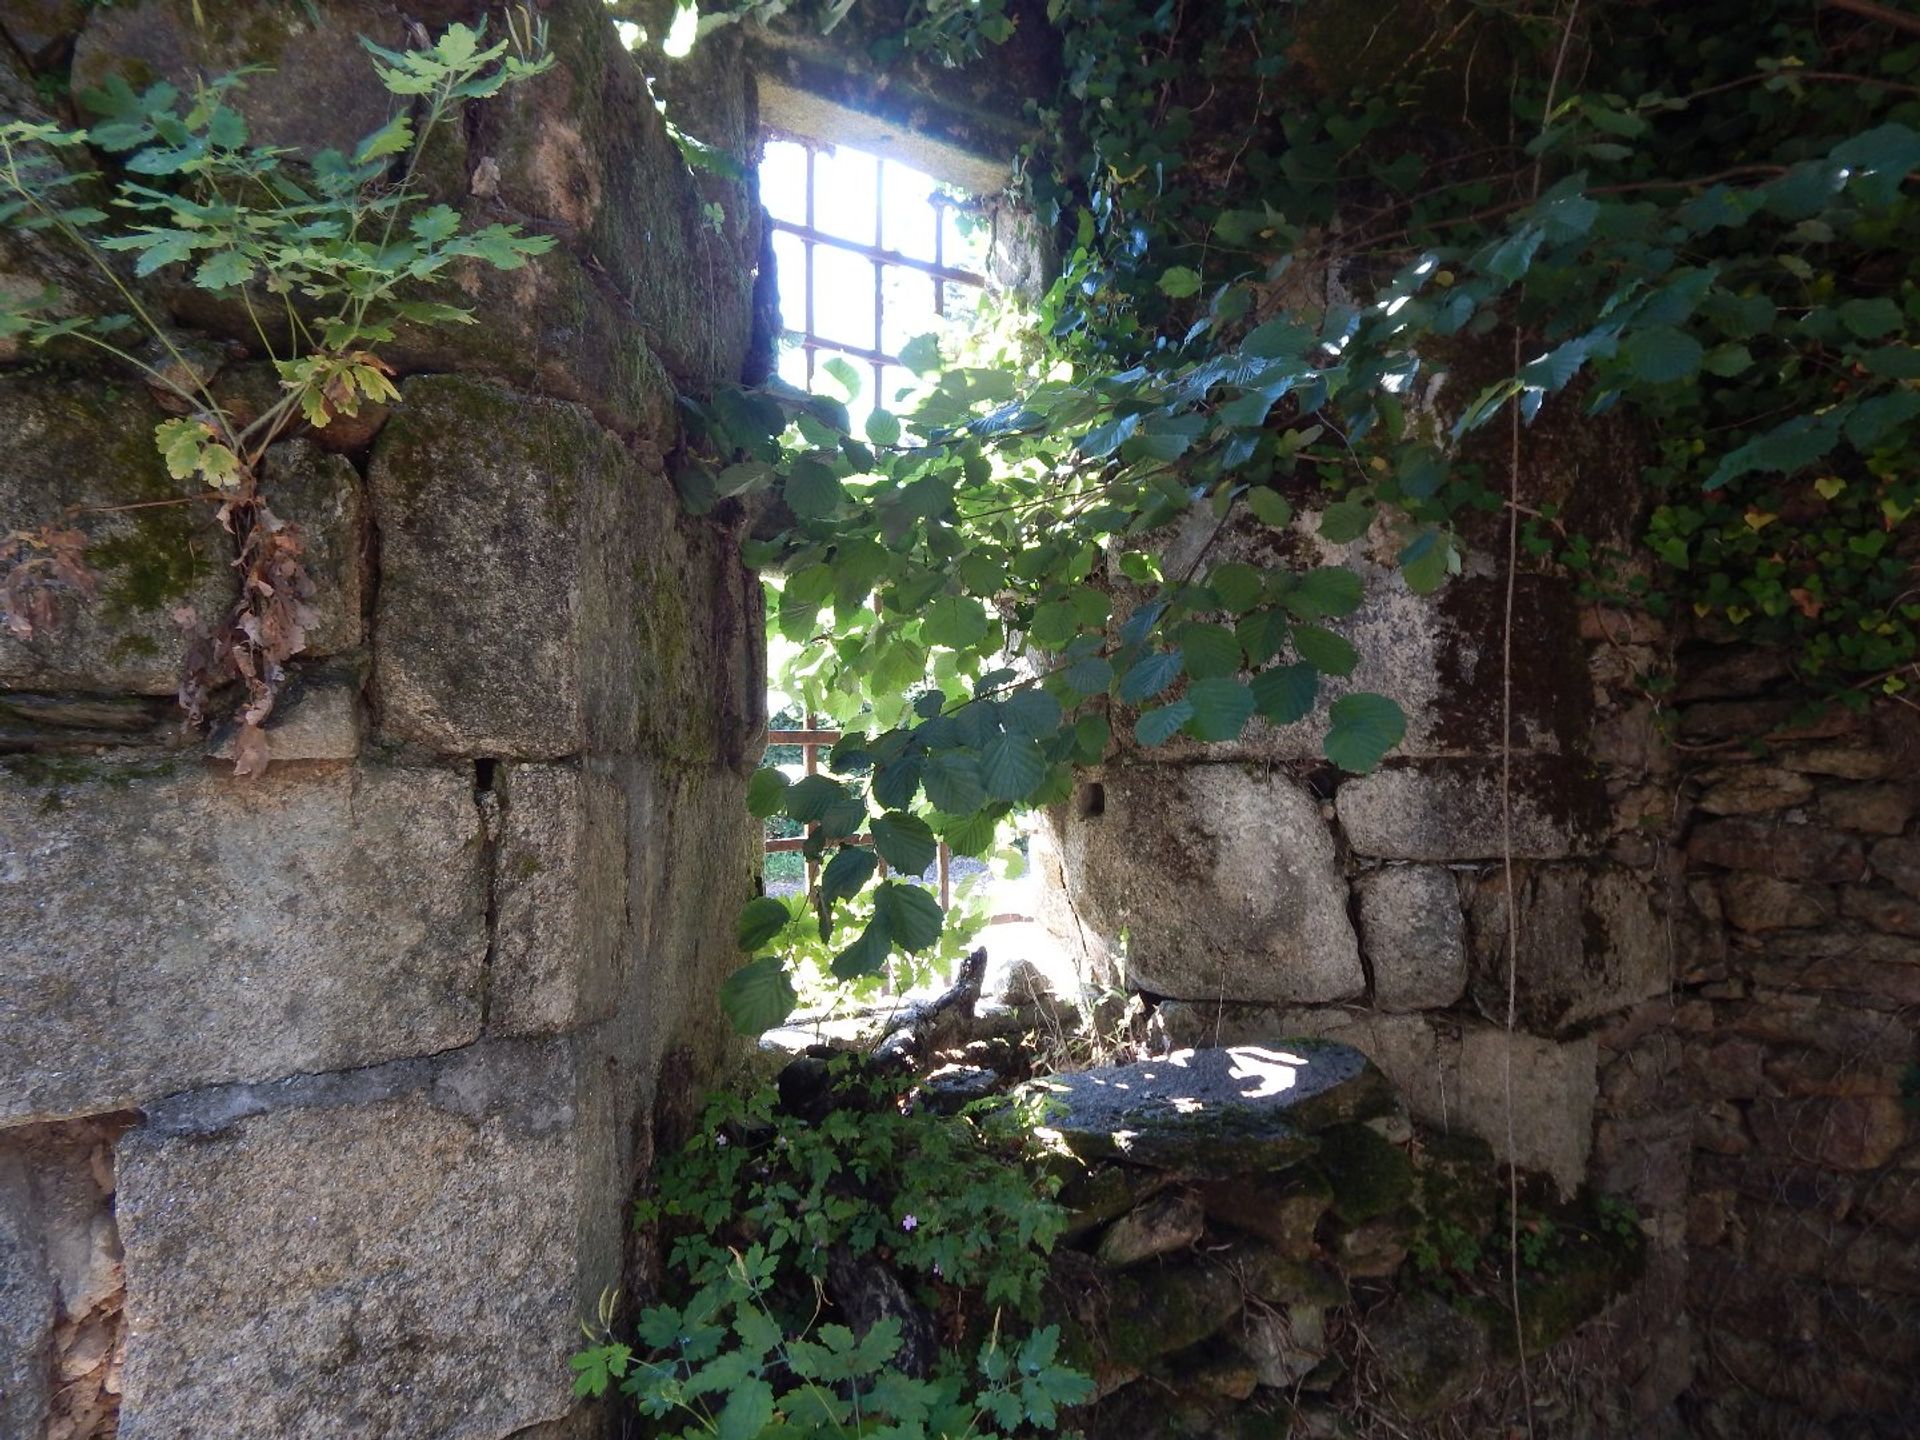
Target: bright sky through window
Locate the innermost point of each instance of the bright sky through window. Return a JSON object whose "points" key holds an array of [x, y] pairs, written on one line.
{"points": [[870, 253]]}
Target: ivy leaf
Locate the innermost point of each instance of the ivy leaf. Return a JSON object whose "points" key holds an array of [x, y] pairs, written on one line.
{"points": [[1011, 765], [1221, 708], [1286, 693], [1662, 355], [904, 841], [758, 996], [761, 920], [1158, 726], [1364, 727], [1327, 652]]}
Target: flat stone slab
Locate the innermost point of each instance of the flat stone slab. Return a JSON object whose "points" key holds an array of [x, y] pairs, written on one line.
{"points": [[1216, 1111]]}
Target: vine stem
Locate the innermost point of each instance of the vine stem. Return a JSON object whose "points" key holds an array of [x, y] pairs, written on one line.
{"points": [[1506, 782]]}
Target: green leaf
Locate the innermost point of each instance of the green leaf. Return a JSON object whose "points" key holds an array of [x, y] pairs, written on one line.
{"points": [[1270, 507], [1729, 360], [748, 1411], [1237, 587], [883, 428], [1330, 591], [921, 354], [809, 798], [739, 479], [904, 841], [1871, 319], [812, 491], [1662, 355], [1103, 440], [1427, 560], [845, 375], [765, 792], [1179, 282], [1221, 709], [758, 996], [844, 875], [1327, 652], [952, 783], [1365, 726], [1030, 712], [1011, 765], [1090, 675], [1150, 675], [1208, 650], [761, 920], [1160, 725], [223, 271], [956, 621], [913, 916], [1344, 521], [392, 138], [1287, 693]]}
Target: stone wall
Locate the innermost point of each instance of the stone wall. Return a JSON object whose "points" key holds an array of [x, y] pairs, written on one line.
{"points": [[323, 1093], [1796, 1016], [1714, 996], [1252, 892]]}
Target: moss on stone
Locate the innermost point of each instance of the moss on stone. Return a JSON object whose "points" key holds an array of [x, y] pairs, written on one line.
{"points": [[1368, 1176]]}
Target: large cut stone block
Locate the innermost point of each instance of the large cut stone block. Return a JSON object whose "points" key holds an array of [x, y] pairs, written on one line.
{"points": [[1437, 656], [1415, 936], [69, 452], [404, 1251], [1592, 941], [1213, 1111], [560, 899], [163, 927], [1450, 810], [321, 95], [1225, 882], [614, 623], [1449, 1073]]}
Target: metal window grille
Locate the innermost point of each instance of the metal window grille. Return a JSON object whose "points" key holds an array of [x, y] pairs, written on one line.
{"points": [[940, 272]]}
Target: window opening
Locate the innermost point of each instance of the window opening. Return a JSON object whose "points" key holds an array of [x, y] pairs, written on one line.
{"points": [[870, 252]]}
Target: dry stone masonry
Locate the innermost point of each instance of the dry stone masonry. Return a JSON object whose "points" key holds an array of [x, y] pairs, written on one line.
{"points": [[323, 1093]]}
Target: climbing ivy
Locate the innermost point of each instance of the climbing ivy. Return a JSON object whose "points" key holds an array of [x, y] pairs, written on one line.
{"points": [[1312, 255]]}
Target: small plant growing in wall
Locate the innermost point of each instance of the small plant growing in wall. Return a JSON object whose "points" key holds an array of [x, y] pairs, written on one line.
{"points": [[768, 1215], [325, 259]]}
